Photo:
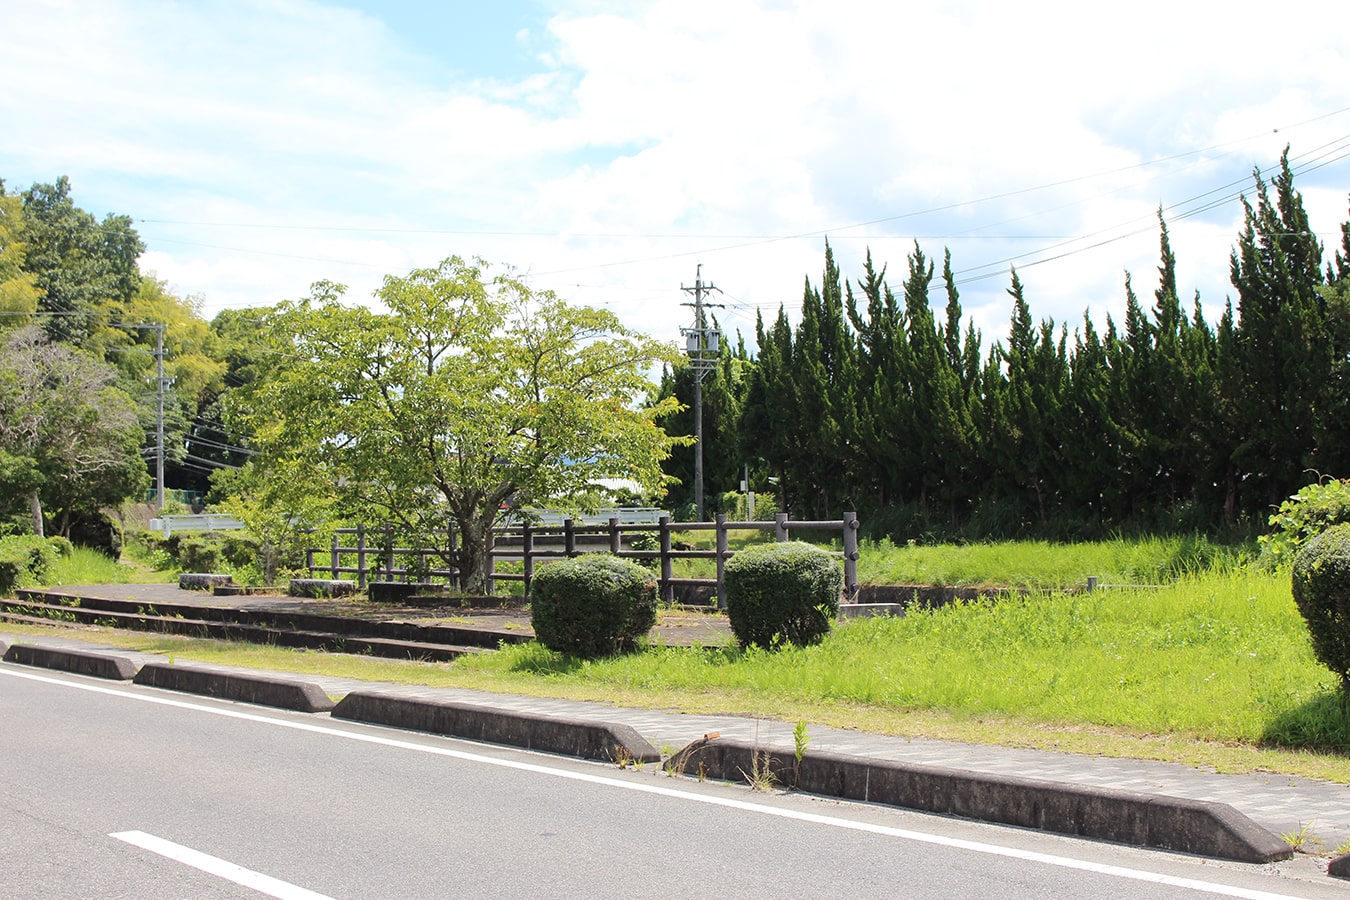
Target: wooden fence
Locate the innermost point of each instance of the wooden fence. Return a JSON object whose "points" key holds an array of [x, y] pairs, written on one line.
{"points": [[374, 557]]}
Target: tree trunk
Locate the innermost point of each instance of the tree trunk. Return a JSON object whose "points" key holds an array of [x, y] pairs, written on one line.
{"points": [[471, 557], [35, 504]]}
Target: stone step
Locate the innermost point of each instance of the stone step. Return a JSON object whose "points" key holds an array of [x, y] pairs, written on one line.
{"points": [[34, 612], [339, 625]]}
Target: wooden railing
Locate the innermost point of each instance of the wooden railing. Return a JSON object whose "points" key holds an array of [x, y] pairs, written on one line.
{"points": [[374, 556]]}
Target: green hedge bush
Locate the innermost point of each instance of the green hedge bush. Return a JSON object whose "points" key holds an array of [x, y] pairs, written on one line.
{"points": [[205, 551], [784, 593], [28, 560], [1321, 586], [1306, 514], [591, 606]]}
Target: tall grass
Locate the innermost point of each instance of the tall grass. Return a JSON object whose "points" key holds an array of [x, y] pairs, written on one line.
{"points": [[1221, 656], [1043, 565], [87, 566]]}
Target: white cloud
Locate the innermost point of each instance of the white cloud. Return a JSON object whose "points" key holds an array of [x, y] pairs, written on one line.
{"points": [[653, 137]]}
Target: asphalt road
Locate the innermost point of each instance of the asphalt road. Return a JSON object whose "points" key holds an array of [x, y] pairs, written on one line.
{"points": [[110, 790]]}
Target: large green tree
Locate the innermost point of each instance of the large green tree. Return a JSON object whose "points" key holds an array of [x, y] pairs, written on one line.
{"points": [[18, 293], [85, 269], [69, 438], [471, 392]]}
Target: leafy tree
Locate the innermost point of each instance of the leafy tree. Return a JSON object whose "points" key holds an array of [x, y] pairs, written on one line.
{"points": [[86, 270], [470, 393], [191, 364], [18, 293], [285, 502], [69, 439]]}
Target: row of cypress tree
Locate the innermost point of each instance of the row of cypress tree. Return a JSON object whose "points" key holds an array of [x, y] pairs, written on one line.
{"points": [[873, 402]]}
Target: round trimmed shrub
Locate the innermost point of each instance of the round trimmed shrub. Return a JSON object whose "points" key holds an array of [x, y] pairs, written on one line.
{"points": [[1321, 587], [784, 593], [593, 605]]}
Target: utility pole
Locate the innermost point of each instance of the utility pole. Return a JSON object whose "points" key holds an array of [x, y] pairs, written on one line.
{"points": [[703, 345], [161, 384]]}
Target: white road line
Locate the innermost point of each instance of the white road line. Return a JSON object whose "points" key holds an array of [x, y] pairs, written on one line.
{"points": [[744, 805], [263, 884]]}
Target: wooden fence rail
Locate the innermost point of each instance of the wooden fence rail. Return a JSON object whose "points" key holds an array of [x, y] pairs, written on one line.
{"points": [[376, 558]]}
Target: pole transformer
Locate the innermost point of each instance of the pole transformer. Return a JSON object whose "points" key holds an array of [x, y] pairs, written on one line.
{"points": [[703, 344]]}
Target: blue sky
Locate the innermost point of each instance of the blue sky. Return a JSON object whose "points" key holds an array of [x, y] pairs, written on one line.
{"points": [[605, 149]]}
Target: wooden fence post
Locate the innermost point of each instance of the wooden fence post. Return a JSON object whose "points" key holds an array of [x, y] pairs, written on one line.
{"points": [[780, 526], [723, 551], [850, 557], [527, 551], [490, 563], [389, 552], [361, 555], [667, 570], [615, 541], [336, 559]]}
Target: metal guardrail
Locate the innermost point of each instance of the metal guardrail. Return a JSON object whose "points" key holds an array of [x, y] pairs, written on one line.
{"points": [[166, 525]]}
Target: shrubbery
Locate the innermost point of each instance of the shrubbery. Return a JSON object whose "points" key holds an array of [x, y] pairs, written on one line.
{"points": [[591, 606], [27, 560], [784, 593], [1311, 511], [1321, 585], [207, 551]]}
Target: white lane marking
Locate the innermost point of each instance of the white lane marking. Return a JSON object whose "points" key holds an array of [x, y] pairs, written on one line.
{"points": [[730, 803], [212, 865]]}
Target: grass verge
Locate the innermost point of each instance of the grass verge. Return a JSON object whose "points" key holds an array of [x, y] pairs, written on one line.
{"points": [[1214, 670]]}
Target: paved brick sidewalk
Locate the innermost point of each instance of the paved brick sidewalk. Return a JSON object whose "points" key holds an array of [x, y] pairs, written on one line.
{"points": [[1280, 804]]}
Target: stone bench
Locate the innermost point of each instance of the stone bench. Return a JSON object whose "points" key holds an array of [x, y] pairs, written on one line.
{"points": [[202, 581], [321, 588]]}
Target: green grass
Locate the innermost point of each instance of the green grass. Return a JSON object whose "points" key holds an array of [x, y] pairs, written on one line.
{"points": [[1214, 668], [1220, 657], [1039, 564], [86, 566]]}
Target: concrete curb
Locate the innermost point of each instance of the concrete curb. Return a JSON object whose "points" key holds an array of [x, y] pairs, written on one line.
{"points": [[316, 588], [262, 690], [1200, 827], [202, 581], [98, 665], [569, 737]]}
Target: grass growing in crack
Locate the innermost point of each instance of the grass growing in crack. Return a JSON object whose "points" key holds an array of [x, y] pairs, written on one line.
{"points": [[1303, 840], [760, 777], [801, 739]]}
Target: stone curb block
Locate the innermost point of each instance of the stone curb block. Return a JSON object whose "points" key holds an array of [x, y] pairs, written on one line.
{"points": [[319, 588], [1339, 867], [3, 647], [262, 690], [568, 737], [202, 581], [81, 662], [1199, 827]]}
